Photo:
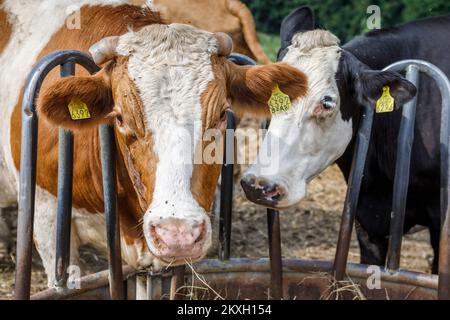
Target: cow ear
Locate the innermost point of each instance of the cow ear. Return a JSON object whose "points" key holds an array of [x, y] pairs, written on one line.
{"points": [[300, 20], [370, 84], [77, 102], [250, 88]]}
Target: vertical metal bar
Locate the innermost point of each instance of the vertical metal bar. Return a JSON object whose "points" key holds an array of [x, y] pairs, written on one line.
{"points": [[28, 157], [177, 282], [27, 192], [444, 243], [165, 286], [444, 87], [444, 261], [131, 287], [226, 192], [154, 286], [276, 264], [108, 157], [352, 196], [64, 201], [275, 256], [401, 179]]}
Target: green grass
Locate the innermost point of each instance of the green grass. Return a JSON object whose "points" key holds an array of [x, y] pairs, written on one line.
{"points": [[270, 44]]}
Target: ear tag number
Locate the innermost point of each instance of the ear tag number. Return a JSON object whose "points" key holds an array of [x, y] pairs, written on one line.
{"points": [[279, 101], [78, 110], [386, 101]]}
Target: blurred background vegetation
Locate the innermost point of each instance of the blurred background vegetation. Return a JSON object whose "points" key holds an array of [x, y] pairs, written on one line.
{"points": [[345, 18]]}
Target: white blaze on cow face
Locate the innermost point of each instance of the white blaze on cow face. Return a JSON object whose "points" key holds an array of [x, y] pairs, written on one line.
{"points": [[171, 68], [312, 135]]}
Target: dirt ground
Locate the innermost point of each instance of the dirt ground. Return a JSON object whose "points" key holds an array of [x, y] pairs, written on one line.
{"points": [[309, 231]]}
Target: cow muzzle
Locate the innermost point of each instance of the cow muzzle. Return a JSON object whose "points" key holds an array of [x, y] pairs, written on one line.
{"points": [[263, 191], [176, 240]]}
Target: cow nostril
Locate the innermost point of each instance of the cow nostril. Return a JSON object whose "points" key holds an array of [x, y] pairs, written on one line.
{"points": [[197, 232], [269, 188], [272, 192]]}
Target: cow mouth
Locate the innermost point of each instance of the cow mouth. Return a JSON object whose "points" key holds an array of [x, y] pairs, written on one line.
{"points": [[177, 261], [268, 198]]}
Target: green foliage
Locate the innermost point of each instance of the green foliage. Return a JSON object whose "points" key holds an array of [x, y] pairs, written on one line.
{"points": [[270, 44], [345, 18]]}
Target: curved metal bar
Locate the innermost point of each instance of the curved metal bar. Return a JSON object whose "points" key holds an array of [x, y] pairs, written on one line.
{"points": [[241, 59], [354, 187], [28, 156], [444, 86], [402, 168], [64, 205], [108, 159], [226, 192]]}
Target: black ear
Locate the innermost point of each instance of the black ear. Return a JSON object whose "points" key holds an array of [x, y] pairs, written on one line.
{"points": [[301, 19], [370, 83]]}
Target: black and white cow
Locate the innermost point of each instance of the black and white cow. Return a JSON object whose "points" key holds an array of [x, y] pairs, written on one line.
{"points": [[320, 128]]}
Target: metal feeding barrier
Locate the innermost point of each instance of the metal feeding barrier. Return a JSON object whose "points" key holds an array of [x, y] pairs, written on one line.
{"points": [[401, 179], [240, 278]]}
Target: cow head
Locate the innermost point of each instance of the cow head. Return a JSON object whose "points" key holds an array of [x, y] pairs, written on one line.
{"points": [[162, 87], [316, 131]]}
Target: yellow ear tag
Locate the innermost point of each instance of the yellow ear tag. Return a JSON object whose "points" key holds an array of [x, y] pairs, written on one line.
{"points": [[279, 101], [386, 101], [78, 110]]}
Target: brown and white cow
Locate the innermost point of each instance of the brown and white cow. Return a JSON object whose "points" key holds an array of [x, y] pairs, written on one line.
{"points": [[161, 86]]}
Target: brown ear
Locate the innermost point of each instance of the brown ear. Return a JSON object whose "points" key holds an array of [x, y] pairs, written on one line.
{"points": [[92, 92], [251, 87]]}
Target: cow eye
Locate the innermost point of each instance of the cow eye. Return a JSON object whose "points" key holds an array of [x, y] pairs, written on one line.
{"points": [[119, 121], [328, 102], [223, 116], [222, 124]]}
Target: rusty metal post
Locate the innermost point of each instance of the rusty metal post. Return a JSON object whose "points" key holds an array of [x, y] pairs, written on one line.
{"points": [[28, 157], [108, 156], [275, 254], [64, 207], [352, 196], [401, 179], [276, 262], [177, 283]]}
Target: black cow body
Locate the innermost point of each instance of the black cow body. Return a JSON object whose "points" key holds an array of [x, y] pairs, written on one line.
{"points": [[428, 40]]}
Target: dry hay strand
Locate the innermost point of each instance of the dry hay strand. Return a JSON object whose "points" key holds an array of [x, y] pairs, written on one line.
{"points": [[193, 290], [339, 290]]}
